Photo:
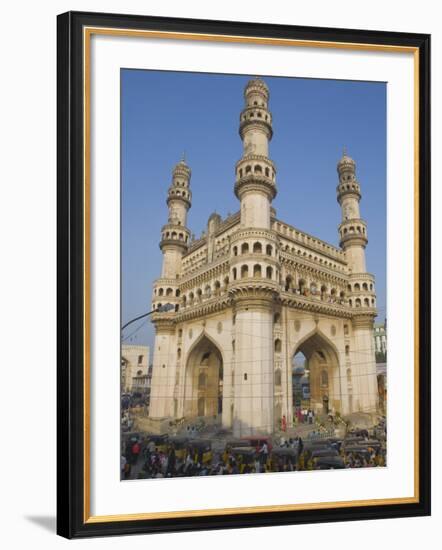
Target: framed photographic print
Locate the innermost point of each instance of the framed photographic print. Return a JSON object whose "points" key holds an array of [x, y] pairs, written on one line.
{"points": [[243, 264]]}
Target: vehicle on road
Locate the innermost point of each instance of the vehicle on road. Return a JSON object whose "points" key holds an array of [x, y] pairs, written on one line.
{"points": [[245, 457], [283, 457], [321, 453], [160, 442], [329, 463], [201, 450], [180, 444]]}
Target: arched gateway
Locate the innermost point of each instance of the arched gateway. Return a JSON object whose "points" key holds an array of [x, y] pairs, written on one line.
{"points": [[322, 368], [203, 395]]}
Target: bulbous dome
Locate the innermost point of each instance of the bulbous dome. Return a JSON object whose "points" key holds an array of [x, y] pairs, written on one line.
{"points": [[182, 168], [346, 163], [256, 83]]}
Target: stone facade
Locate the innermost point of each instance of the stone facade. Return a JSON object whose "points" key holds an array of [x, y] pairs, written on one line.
{"points": [[252, 292]]}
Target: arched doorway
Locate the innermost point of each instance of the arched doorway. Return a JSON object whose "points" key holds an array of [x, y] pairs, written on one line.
{"points": [[321, 366], [204, 381]]}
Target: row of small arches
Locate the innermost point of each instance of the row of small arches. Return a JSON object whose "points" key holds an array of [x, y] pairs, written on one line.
{"points": [[156, 306], [257, 272], [357, 287], [303, 288], [175, 236], [196, 257], [167, 292], [178, 193], [257, 114], [354, 229], [299, 252], [364, 302], [304, 238], [257, 169], [358, 302], [207, 292], [256, 248], [349, 177]]}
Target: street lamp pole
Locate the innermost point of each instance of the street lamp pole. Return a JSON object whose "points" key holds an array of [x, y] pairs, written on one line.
{"points": [[162, 309]]}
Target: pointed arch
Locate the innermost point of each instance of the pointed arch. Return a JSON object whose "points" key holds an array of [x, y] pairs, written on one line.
{"points": [[203, 389], [204, 335], [324, 379], [320, 335], [201, 337]]}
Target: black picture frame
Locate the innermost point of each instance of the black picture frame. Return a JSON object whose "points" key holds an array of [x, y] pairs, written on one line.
{"points": [[71, 520]]}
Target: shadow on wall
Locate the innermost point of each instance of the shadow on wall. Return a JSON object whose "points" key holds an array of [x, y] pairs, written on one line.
{"points": [[48, 523]]}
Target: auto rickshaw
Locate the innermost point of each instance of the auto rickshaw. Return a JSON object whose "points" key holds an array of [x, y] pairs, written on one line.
{"points": [[316, 445], [334, 442], [180, 444], [232, 443], [245, 457], [329, 463], [358, 451], [351, 441], [201, 450], [160, 442], [320, 453], [283, 456], [373, 443]]}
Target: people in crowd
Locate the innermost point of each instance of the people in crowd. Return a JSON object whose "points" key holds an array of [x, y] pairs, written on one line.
{"points": [[193, 460]]}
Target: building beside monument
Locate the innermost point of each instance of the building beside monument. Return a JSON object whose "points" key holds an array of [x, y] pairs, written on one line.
{"points": [[254, 291], [380, 341], [134, 368]]}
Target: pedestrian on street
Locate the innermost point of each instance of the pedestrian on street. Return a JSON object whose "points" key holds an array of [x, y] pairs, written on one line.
{"points": [[171, 462], [264, 453], [300, 445], [136, 449]]}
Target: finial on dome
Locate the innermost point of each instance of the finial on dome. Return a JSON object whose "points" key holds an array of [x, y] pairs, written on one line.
{"points": [[345, 160], [181, 170], [182, 164]]}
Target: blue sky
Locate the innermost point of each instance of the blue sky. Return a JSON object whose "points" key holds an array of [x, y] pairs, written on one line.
{"points": [[166, 113]]}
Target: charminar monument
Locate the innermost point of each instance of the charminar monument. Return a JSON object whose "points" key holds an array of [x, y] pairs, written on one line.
{"points": [[253, 292]]}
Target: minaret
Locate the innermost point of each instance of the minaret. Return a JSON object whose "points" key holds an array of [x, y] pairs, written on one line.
{"points": [[175, 235], [361, 293], [352, 230], [254, 271], [255, 172]]}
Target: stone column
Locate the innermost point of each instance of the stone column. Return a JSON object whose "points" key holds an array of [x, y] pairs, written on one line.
{"points": [[254, 381], [163, 369], [364, 376]]}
